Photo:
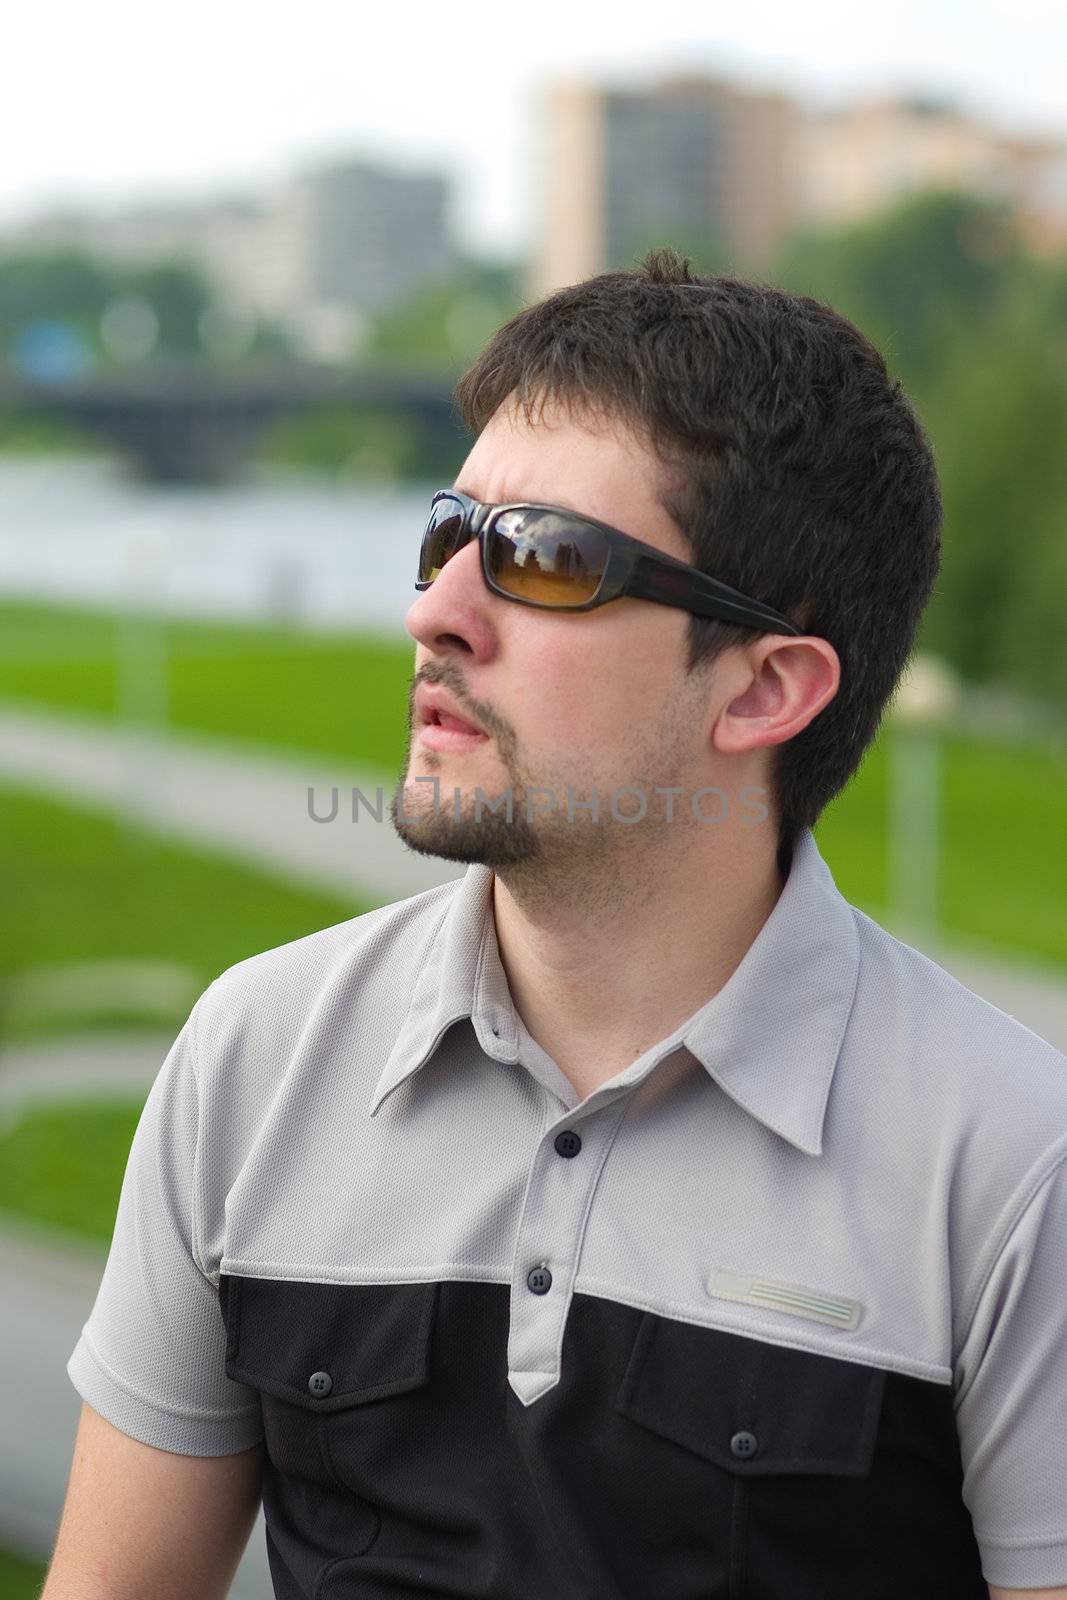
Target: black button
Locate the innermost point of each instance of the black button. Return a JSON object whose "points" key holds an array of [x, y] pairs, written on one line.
{"points": [[320, 1383], [743, 1445], [568, 1143], [539, 1279]]}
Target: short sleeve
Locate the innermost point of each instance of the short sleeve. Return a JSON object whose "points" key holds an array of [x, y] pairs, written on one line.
{"points": [[151, 1357], [1011, 1379]]}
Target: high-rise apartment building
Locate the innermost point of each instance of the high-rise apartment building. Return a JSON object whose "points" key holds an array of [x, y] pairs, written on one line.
{"points": [[727, 172], [694, 161], [374, 234], [860, 158]]}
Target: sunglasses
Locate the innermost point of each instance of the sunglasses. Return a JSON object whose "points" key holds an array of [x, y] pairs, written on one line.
{"points": [[550, 557]]}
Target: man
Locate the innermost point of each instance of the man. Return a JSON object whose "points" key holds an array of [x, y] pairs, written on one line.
{"points": [[632, 1217]]}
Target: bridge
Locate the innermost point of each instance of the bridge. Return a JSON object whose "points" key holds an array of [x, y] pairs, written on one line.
{"points": [[196, 423]]}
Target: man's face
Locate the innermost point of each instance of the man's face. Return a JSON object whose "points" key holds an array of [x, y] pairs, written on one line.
{"points": [[571, 702]]}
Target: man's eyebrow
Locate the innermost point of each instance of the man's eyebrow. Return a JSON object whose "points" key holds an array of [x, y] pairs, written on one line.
{"points": [[518, 499]]}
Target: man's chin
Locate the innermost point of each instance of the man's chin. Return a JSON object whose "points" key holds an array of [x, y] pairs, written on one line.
{"points": [[467, 841]]}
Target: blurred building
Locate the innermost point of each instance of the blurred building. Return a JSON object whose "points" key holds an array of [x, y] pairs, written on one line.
{"points": [[375, 235], [729, 171], [320, 254], [700, 160], [250, 248], [860, 158], [1035, 179]]}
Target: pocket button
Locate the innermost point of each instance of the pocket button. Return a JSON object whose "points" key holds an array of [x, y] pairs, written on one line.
{"points": [[320, 1384], [744, 1445]]}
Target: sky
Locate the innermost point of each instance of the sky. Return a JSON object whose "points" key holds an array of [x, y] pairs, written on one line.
{"points": [[121, 101]]}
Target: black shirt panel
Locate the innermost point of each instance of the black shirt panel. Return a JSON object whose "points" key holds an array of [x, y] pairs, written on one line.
{"points": [[672, 1461]]}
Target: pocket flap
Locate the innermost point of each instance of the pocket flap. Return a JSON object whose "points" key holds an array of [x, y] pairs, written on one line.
{"points": [[370, 1340], [708, 1389]]}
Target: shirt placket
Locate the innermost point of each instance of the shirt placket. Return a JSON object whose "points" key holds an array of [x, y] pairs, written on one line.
{"points": [[555, 1211]]}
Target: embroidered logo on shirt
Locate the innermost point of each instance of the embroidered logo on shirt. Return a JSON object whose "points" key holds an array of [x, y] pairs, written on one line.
{"points": [[792, 1298]]}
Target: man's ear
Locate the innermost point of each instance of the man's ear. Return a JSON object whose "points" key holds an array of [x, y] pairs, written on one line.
{"points": [[789, 682]]}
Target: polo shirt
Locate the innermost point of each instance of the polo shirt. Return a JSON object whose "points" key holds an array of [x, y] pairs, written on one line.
{"points": [[778, 1311]]}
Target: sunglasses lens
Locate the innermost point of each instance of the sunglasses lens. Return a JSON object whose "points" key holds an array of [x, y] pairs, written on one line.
{"points": [[542, 556], [441, 539]]}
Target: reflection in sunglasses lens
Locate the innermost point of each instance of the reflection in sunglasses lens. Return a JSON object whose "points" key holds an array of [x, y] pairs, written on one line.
{"points": [[542, 556], [441, 539]]}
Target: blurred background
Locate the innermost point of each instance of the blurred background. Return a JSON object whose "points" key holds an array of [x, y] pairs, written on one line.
{"points": [[240, 271]]}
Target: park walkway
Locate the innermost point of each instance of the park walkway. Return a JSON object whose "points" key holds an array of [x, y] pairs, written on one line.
{"points": [[250, 803], [253, 804]]}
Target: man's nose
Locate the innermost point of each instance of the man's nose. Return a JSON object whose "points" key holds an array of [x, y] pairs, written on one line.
{"points": [[454, 607]]}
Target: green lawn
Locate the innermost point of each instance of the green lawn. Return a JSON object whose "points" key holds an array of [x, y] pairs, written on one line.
{"points": [[332, 692], [1004, 818], [1003, 862], [1004, 868], [61, 1162], [81, 886], [19, 1579]]}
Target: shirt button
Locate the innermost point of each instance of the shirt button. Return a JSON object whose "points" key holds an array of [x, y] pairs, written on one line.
{"points": [[539, 1279], [320, 1384], [743, 1445], [568, 1143]]}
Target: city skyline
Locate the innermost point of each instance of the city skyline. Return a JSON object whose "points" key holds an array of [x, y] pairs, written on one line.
{"points": [[238, 108]]}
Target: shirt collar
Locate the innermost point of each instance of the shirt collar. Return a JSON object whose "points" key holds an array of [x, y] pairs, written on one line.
{"points": [[770, 1038]]}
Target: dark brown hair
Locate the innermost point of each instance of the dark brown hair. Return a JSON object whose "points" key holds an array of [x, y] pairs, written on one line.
{"points": [[794, 466]]}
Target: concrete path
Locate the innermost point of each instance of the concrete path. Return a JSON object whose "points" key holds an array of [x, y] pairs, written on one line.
{"points": [[86, 1064], [252, 804]]}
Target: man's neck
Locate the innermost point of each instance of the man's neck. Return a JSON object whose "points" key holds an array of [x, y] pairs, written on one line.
{"points": [[603, 968]]}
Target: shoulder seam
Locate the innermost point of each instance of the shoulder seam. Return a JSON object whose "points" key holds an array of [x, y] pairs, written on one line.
{"points": [[1047, 1168]]}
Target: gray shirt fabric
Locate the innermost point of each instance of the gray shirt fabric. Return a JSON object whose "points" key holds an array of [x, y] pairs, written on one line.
{"points": [[844, 1152]]}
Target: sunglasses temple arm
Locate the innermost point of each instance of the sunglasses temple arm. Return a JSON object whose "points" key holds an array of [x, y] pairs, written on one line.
{"points": [[748, 616], [707, 598]]}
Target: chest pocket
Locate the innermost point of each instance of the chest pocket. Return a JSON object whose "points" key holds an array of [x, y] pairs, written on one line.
{"points": [[776, 1485], [317, 1351], [750, 1407], [808, 1475], [340, 1370]]}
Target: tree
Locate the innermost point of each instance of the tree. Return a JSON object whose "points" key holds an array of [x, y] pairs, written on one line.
{"points": [[997, 413], [179, 294], [51, 285], [977, 329], [913, 276], [449, 321]]}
